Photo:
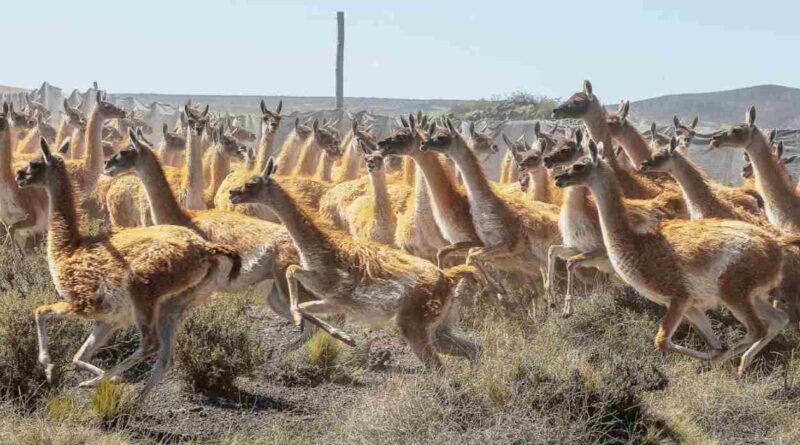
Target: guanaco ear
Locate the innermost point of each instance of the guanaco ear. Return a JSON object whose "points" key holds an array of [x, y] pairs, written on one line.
{"points": [[537, 129], [280, 107], [472, 129], [694, 122], [789, 160], [98, 96], [204, 113], [5, 107], [578, 138], [315, 125], [297, 124], [263, 107], [432, 128], [673, 144], [66, 106], [139, 133], [404, 122], [653, 130], [64, 148], [355, 127], [624, 106], [772, 135], [137, 144], [450, 126], [676, 122], [750, 118], [45, 149], [164, 130], [779, 150], [412, 122], [424, 121], [506, 141], [594, 151], [587, 87]]}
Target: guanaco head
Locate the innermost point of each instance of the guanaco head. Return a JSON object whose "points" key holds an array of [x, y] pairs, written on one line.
{"points": [[328, 139], [228, 145], [133, 121], [270, 120], [481, 142], [46, 170], [106, 109], [37, 106], [565, 152], [739, 135], [74, 116], [173, 140], [404, 140], [580, 173], [130, 158], [682, 130], [780, 163], [578, 104], [445, 139], [259, 188], [617, 122], [656, 138], [301, 130], [45, 130], [20, 120], [196, 121], [111, 133], [661, 161], [369, 147], [241, 134]]}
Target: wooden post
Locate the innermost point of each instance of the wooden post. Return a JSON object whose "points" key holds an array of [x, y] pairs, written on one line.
{"points": [[340, 61]]}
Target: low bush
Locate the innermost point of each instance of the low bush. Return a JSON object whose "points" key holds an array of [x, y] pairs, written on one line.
{"points": [[215, 345]]}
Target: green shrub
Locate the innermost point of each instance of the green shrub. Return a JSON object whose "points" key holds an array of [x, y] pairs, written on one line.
{"points": [[323, 351], [110, 400], [215, 345]]}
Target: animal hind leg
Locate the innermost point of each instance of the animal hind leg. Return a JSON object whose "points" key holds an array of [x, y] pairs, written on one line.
{"points": [[447, 342], [553, 254], [310, 309], [445, 251], [672, 319], [100, 334], [776, 320], [417, 335]]}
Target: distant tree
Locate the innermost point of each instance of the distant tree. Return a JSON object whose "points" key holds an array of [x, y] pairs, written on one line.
{"points": [[517, 105]]}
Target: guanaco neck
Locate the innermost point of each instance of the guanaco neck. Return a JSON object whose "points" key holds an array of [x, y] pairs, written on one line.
{"points": [[421, 207], [479, 192], [7, 159], [63, 235], [696, 190], [193, 173], [617, 232], [164, 208], [64, 130], [266, 145], [325, 168], [384, 216], [441, 187], [307, 162], [93, 156], [782, 206], [540, 185], [595, 120], [315, 249], [220, 167], [410, 172], [634, 144], [288, 154]]}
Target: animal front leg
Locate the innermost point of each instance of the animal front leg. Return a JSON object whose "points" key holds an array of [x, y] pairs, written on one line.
{"points": [[41, 314], [554, 253], [445, 251], [310, 309], [479, 255], [100, 334], [595, 259], [672, 319]]}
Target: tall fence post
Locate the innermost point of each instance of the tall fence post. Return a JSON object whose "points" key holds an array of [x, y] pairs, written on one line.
{"points": [[340, 61]]}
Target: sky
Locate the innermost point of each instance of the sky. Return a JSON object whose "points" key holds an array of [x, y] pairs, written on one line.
{"points": [[404, 49]]}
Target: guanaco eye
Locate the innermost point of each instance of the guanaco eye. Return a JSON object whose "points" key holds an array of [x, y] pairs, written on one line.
{"points": [[578, 167]]}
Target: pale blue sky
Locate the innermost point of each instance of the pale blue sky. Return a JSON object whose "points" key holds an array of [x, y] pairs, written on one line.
{"points": [[403, 48]]}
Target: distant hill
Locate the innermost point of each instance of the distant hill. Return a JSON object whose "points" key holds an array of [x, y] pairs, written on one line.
{"points": [[249, 104], [5, 89], [777, 106]]}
